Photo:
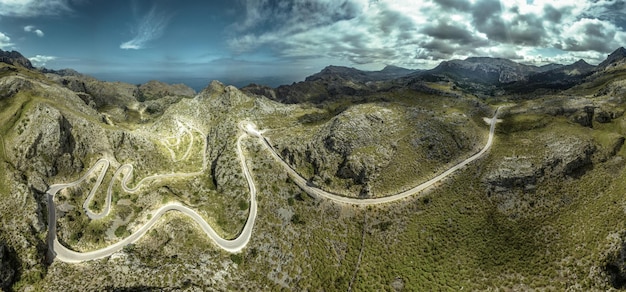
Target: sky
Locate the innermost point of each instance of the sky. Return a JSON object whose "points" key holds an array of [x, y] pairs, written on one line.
{"points": [[279, 42]]}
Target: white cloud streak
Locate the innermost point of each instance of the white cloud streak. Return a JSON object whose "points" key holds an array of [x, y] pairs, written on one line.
{"points": [[149, 28], [33, 29], [5, 41], [40, 60], [414, 33], [33, 8]]}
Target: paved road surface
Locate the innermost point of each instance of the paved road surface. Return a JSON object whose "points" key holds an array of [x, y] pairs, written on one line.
{"points": [[317, 192], [60, 252]]}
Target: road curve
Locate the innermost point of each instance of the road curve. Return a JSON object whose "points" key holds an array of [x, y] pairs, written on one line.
{"points": [[62, 253], [317, 192]]}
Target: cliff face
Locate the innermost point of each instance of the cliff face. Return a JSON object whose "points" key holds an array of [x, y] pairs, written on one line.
{"points": [[15, 58]]}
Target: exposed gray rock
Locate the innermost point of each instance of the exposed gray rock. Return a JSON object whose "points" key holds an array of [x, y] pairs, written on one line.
{"points": [[605, 114], [11, 85], [514, 172], [15, 58], [45, 137], [583, 117], [355, 135], [569, 157]]}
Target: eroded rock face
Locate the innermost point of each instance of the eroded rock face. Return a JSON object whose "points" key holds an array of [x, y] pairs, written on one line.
{"points": [[583, 117], [605, 114], [615, 261], [10, 86], [15, 58], [46, 142], [568, 157], [7, 269], [356, 136]]}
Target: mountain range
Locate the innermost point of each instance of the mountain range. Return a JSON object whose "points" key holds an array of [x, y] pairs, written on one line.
{"points": [[525, 167]]}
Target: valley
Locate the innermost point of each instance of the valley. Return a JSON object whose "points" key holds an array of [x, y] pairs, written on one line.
{"points": [[478, 174]]}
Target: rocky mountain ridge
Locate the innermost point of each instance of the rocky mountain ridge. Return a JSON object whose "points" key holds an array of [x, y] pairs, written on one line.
{"points": [[351, 74], [557, 157], [484, 75], [15, 58]]}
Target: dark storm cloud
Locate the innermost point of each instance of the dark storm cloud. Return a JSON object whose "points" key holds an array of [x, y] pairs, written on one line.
{"points": [[381, 31], [521, 29], [377, 34], [461, 5], [527, 29], [552, 14], [440, 46], [594, 37], [486, 18], [445, 30], [485, 11], [357, 47], [388, 21]]}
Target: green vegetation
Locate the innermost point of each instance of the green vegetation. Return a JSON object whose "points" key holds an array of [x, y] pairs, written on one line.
{"points": [[490, 226], [122, 232]]}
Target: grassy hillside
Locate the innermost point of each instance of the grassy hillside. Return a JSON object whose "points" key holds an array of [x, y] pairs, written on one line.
{"points": [[544, 209]]}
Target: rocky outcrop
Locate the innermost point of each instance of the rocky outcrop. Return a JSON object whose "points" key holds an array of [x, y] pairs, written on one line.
{"points": [[568, 157], [98, 93], [260, 90], [47, 143], [356, 137], [606, 114], [583, 117], [11, 85], [223, 97], [155, 90], [612, 59], [8, 268], [15, 58]]}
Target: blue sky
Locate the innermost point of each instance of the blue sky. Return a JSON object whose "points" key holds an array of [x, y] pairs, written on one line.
{"points": [[277, 41]]}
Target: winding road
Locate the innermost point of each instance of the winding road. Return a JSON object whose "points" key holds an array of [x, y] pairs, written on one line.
{"points": [[317, 192], [62, 253]]}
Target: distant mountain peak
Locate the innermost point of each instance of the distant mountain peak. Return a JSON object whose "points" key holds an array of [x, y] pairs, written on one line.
{"points": [[348, 73], [581, 62], [392, 67], [485, 70], [15, 58]]}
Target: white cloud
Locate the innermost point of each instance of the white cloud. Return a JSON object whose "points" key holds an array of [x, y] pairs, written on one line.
{"points": [[40, 60], [414, 33], [33, 29], [32, 8], [149, 28], [5, 41]]}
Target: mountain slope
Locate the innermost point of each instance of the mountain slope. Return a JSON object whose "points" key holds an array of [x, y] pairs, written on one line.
{"points": [[491, 71], [15, 58], [542, 210]]}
